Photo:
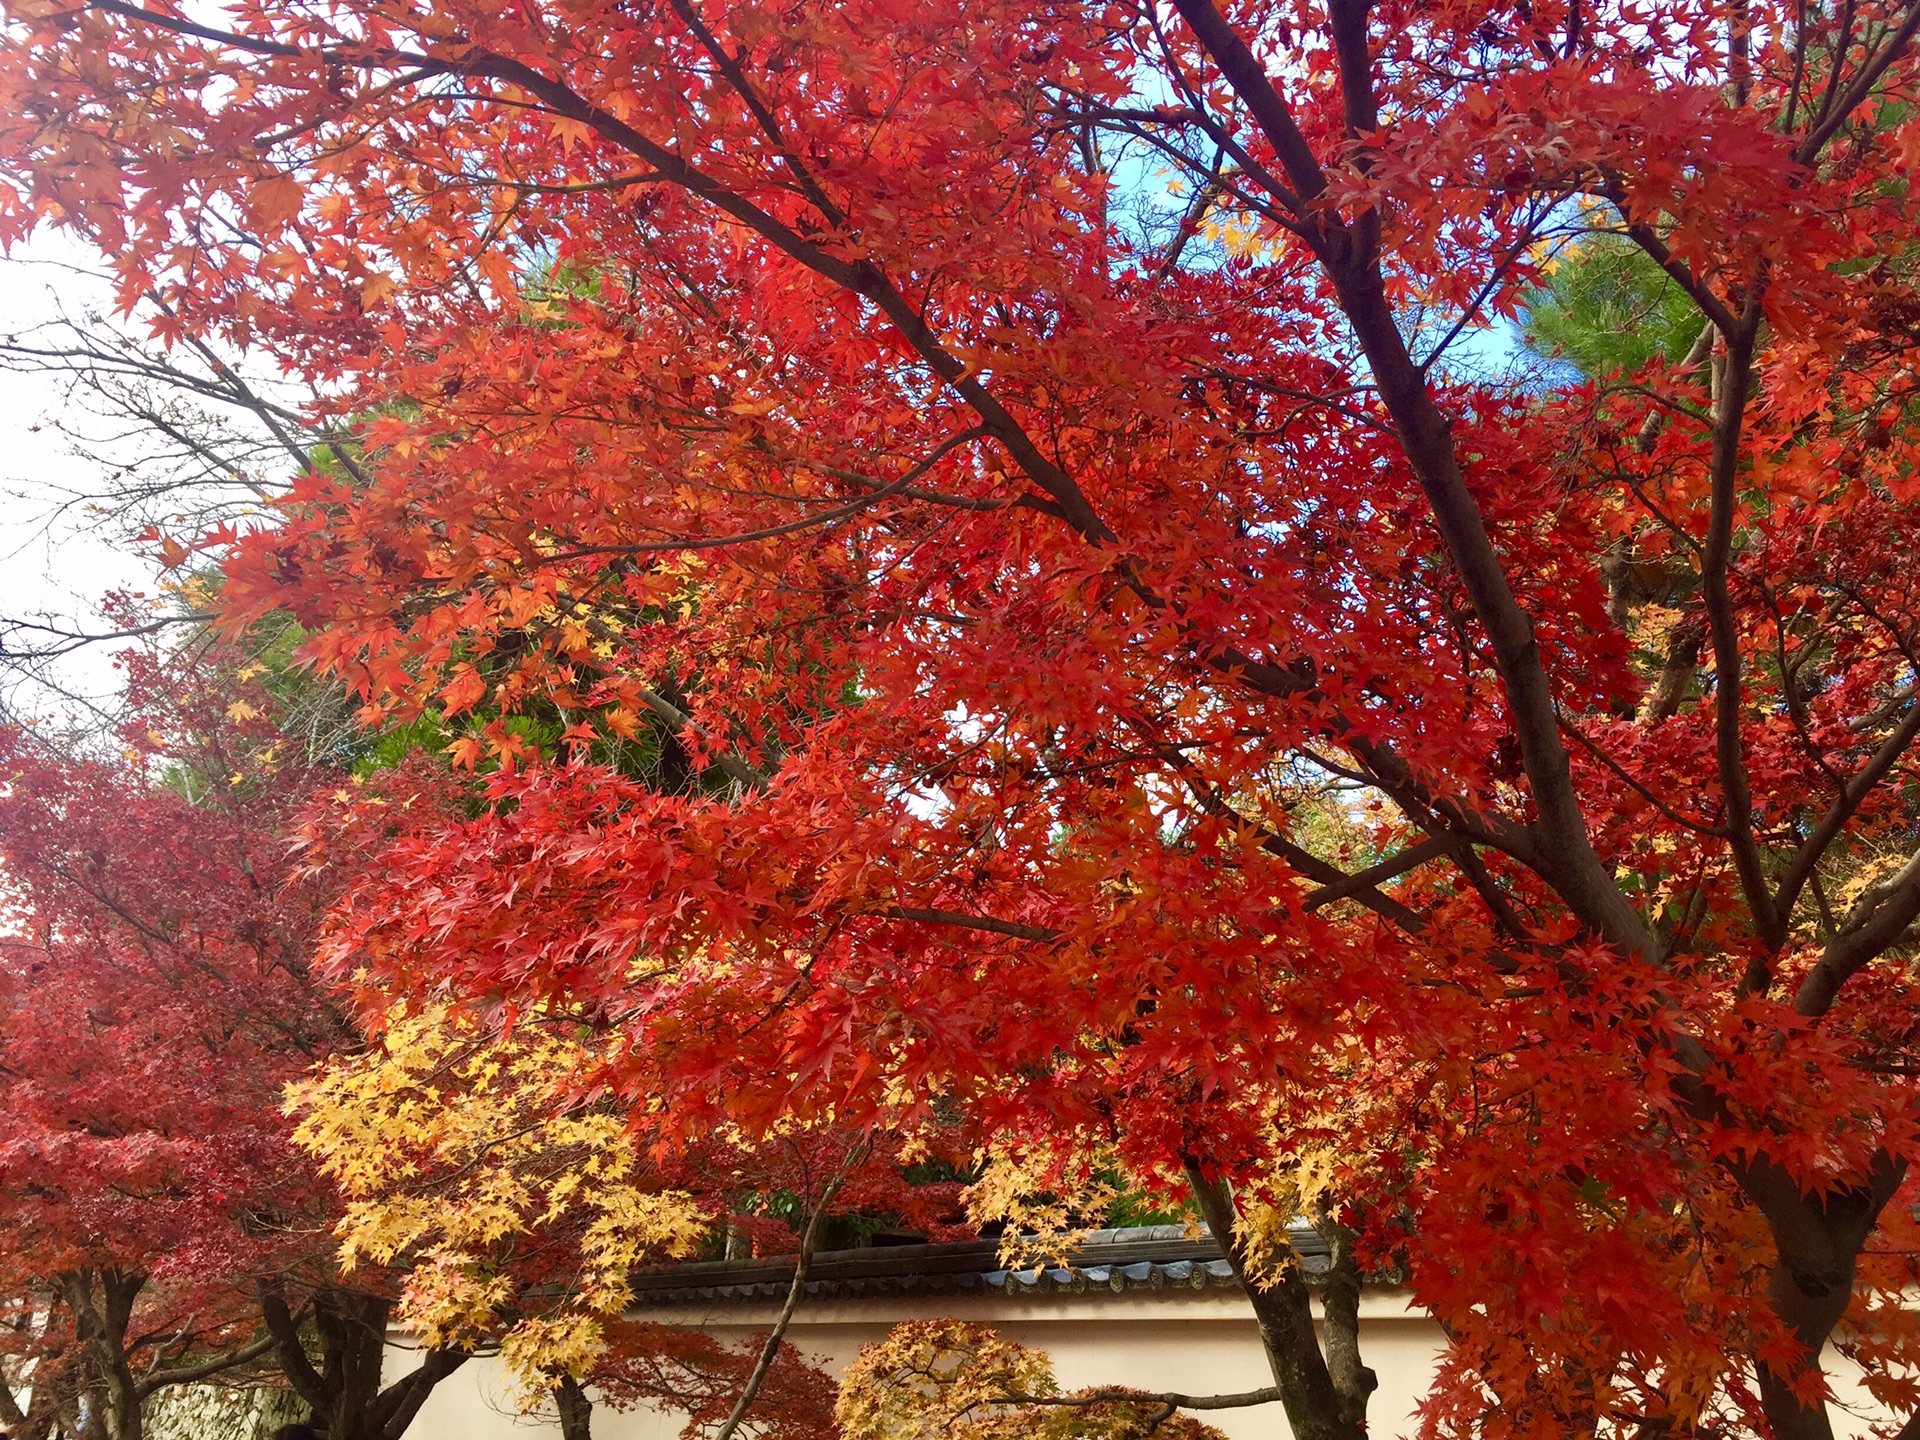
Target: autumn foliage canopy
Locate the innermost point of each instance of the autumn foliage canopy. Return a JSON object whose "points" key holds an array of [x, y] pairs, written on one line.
{"points": [[996, 590], [156, 998], [221, 1161]]}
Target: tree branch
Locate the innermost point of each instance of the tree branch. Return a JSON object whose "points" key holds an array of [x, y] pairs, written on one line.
{"points": [[985, 923], [393, 1410], [1861, 86], [1283, 1309], [771, 1349], [1807, 858], [830, 516], [212, 1365], [1248, 77], [1409, 858], [1724, 630], [284, 1326], [1878, 919], [1168, 1400], [1566, 858]]}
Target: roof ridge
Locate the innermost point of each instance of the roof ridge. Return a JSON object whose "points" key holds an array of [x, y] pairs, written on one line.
{"points": [[1116, 1258]]}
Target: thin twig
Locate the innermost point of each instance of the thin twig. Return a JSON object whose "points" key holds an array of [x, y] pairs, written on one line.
{"points": [[771, 1349]]}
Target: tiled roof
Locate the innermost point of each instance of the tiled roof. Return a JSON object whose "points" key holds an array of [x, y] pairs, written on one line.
{"points": [[1152, 1257]]}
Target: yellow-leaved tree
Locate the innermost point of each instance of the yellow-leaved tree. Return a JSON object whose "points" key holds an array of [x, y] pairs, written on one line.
{"points": [[951, 1380], [516, 1208]]}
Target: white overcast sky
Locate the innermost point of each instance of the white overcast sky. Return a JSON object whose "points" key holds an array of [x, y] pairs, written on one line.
{"points": [[53, 564]]}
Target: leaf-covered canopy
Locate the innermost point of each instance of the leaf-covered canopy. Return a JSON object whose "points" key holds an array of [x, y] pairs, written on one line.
{"points": [[1132, 687]]}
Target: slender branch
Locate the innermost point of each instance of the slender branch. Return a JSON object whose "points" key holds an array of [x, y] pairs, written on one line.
{"points": [[212, 1365], [730, 764], [771, 1349], [63, 642], [1724, 629], [1168, 1400], [1248, 77], [1809, 148], [862, 277], [830, 516], [1643, 235], [985, 923], [1696, 355], [180, 26], [1801, 868], [1876, 922], [1328, 876], [1410, 858], [1885, 711], [1632, 782], [1205, 195]]}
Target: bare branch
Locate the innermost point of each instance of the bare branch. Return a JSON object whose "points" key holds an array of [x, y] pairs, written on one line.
{"points": [[771, 1349], [1801, 868], [1877, 921]]}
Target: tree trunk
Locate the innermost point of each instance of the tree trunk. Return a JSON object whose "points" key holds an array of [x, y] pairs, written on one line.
{"points": [[1817, 1242], [576, 1410], [1318, 1406], [344, 1389], [1353, 1381], [353, 1344], [101, 1303]]}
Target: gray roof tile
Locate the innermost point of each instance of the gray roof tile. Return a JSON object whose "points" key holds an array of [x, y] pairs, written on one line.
{"points": [[1153, 1258]]}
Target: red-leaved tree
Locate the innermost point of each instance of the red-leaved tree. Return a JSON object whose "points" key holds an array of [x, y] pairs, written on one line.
{"points": [[165, 1022], [1140, 682], [157, 993]]}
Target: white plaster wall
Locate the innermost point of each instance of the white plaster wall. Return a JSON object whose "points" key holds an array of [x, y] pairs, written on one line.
{"points": [[1192, 1342]]}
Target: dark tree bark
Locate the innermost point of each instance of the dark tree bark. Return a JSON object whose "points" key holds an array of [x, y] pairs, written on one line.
{"points": [[576, 1410], [101, 1303], [1324, 1394], [344, 1389]]}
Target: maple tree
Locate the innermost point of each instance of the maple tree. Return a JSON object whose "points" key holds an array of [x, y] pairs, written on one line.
{"points": [[161, 1003], [434, 1099], [151, 1015], [944, 1377], [159, 994], [1138, 699], [519, 1199], [689, 1372]]}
